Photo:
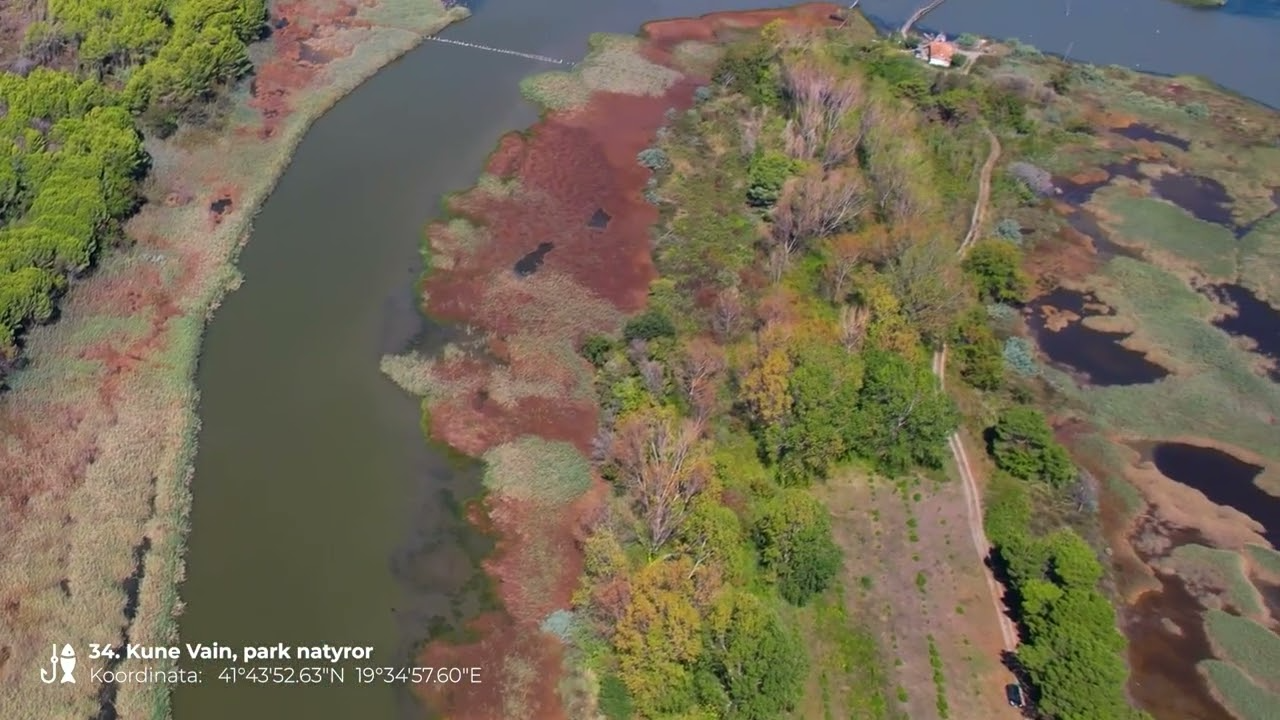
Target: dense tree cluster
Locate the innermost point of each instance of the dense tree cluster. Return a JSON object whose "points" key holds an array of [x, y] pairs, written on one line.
{"points": [[72, 163], [70, 154], [1073, 654]]}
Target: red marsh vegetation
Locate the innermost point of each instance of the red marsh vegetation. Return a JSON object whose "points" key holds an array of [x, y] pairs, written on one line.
{"points": [[559, 251]]}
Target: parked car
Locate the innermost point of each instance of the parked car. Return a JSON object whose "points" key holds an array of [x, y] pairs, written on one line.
{"points": [[1013, 692]]}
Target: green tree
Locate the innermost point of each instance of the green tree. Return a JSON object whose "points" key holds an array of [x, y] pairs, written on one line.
{"points": [[766, 173], [996, 269], [793, 533], [1024, 446], [758, 661], [977, 351], [902, 417], [817, 430], [649, 325]]}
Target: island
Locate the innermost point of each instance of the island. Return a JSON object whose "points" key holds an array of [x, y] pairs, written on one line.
{"points": [[816, 378]]}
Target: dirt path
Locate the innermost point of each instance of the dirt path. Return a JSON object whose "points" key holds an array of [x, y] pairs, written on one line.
{"points": [[984, 193], [973, 499]]}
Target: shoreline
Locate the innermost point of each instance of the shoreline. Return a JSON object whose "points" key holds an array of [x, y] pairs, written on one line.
{"points": [[140, 428]]}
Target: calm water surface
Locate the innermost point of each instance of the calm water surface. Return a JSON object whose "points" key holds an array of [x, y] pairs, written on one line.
{"points": [[321, 515]]}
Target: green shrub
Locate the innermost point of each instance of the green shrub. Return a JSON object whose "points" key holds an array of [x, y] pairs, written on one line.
{"points": [[977, 351], [996, 269], [649, 325], [1023, 446], [615, 702], [596, 349], [766, 173]]}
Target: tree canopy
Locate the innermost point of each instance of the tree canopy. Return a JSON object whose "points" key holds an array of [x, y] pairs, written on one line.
{"points": [[71, 156]]}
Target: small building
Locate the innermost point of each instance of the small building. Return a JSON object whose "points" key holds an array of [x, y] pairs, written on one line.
{"points": [[939, 51]]}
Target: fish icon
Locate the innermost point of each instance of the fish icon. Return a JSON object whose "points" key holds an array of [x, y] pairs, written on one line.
{"points": [[68, 663]]}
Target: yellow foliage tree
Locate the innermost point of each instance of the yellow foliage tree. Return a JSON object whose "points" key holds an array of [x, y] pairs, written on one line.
{"points": [[659, 637], [764, 387], [889, 328]]}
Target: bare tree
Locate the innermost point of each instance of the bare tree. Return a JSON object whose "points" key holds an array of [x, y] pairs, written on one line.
{"points": [[654, 376], [750, 128], [822, 103], [853, 326], [700, 369], [815, 205], [727, 313], [663, 466]]}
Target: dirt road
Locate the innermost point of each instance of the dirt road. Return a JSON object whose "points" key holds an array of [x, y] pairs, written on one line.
{"points": [[973, 500]]}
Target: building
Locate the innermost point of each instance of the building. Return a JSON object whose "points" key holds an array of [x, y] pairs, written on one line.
{"points": [[939, 51]]}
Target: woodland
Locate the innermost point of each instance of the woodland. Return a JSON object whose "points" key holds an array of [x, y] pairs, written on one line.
{"points": [[92, 76], [808, 269]]}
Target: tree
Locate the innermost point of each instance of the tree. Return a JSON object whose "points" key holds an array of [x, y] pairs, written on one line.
{"points": [[902, 417], [713, 538], [759, 662], [764, 388], [766, 173], [996, 268], [663, 466], [813, 206], [793, 533], [659, 638], [1023, 446], [977, 351], [925, 280], [843, 252], [649, 325], [816, 432]]}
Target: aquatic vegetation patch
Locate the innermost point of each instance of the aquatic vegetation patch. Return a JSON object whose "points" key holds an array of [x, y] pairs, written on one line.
{"points": [[531, 468], [1215, 577], [1260, 259], [1165, 228], [1236, 691], [1265, 559], [615, 64], [1251, 647], [1215, 382]]}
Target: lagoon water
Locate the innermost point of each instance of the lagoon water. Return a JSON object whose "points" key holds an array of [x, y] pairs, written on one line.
{"points": [[321, 516]]}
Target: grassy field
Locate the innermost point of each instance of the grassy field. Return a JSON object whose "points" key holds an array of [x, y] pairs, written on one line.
{"points": [[915, 582], [848, 677], [108, 498]]}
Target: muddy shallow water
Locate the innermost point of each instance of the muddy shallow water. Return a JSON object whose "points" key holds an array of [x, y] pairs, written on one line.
{"points": [[1223, 478], [1253, 319], [1095, 354]]}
